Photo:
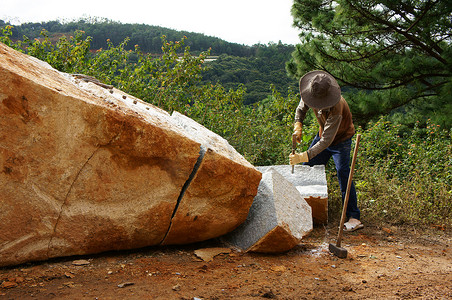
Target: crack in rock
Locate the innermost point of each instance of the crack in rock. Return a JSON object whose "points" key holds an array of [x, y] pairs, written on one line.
{"points": [[202, 153], [65, 199], [116, 137]]}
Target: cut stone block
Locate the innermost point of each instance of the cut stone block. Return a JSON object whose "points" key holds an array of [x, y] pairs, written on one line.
{"points": [[278, 219], [312, 185]]}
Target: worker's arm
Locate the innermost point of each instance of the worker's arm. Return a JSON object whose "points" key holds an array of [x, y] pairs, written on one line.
{"points": [[329, 132], [300, 114]]}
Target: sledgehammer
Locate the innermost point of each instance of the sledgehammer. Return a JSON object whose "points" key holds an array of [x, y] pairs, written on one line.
{"points": [[337, 249]]}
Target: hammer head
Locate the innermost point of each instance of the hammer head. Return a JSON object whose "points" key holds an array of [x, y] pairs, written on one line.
{"points": [[338, 251]]}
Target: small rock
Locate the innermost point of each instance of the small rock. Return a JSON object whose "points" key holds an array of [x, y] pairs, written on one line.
{"points": [[176, 287], [278, 268], [80, 262], [8, 285], [18, 279], [124, 284], [69, 284]]}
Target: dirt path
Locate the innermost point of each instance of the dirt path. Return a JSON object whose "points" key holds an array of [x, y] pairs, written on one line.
{"points": [[382, 263]]}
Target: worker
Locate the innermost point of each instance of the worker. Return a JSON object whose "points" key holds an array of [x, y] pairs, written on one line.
{"points": [[321, 92]]}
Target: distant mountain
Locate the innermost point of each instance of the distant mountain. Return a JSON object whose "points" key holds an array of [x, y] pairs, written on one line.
{"points": [[147, 36], [255, 67]]}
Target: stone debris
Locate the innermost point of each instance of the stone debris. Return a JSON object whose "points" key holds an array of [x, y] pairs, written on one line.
{"points": [[278, 219], [124, 284], [176, 288], [207, 254], [8, 285], [80, 262]]}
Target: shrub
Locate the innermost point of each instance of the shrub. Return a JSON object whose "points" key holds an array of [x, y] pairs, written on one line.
{"points": [[405, 175]]}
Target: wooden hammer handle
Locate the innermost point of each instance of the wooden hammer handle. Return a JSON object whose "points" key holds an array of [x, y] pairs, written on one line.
{"points": [[347, 194]]}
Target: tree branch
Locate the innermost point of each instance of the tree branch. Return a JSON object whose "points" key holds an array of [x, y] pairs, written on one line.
{"points": [[416, 42]]}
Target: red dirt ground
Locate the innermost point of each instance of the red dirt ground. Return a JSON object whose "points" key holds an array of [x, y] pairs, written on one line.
{"points": [[382, 263]]}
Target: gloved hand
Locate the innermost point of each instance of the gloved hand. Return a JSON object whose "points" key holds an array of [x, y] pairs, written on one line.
{"points": [[297, 131], [298, 158]]}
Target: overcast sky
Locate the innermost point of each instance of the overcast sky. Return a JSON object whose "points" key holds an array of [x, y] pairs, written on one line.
{"points": [[239, 21]]}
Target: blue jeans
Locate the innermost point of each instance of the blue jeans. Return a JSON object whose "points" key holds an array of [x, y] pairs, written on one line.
{"points": [[341, 157]]}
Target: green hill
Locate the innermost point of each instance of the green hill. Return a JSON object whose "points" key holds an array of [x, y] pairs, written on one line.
{"points": [[255, 67]]}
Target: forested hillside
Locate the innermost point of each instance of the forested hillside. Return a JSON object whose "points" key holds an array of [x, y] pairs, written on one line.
{"points": [[255, 67], [146, 36]]}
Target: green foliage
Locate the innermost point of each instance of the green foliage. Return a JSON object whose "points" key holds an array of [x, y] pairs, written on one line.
{"points": [[6, 34], [68, 54], [398, 53], [256, 73], [405, 174]]}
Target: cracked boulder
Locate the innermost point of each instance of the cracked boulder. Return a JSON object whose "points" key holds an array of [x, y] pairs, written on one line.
{"points": [[86, 168], [278, 219]]}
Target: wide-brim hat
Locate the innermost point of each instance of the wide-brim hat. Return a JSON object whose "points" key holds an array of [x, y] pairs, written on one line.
{"points": [[319, 89]]}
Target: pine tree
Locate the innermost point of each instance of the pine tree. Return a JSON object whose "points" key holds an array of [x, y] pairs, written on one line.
{"points": [[389, 55]]}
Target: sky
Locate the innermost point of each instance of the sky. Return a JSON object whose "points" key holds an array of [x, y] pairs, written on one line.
{"points": [[245, 22]]}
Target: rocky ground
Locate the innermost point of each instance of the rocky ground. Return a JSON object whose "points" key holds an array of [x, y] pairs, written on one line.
{"points": [[382, 262]]}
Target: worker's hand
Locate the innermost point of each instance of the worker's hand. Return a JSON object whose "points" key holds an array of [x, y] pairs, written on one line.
{"points": [[298, 158], [297, 131]]}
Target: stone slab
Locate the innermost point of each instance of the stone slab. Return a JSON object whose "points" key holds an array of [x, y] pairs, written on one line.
{"points": [[278, 219], [311, 184]]}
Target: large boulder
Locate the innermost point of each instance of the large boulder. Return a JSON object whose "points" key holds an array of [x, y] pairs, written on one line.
{"points": [[87, 168]]}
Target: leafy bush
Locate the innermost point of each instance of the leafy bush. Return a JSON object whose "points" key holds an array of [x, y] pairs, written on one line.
{"points": [[405, 175]]}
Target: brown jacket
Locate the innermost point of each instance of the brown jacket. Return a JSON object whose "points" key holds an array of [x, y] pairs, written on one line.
{"points": [[336, 125]]}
